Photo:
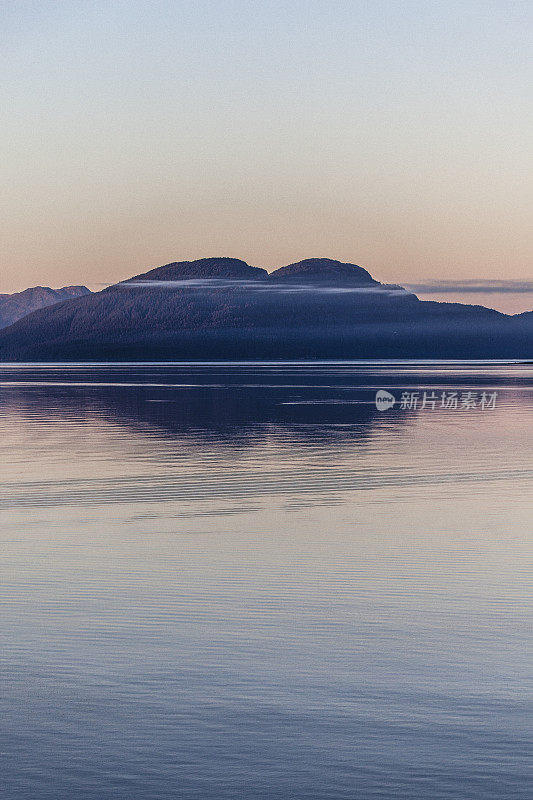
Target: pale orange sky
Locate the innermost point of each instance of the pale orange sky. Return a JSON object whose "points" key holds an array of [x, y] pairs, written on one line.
{"points": [[396, 136]]}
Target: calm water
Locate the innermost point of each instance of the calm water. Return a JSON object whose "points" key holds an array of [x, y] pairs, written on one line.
{"points": [[243, 581]]}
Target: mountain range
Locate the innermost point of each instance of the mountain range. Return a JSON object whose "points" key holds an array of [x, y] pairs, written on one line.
{"points": [[223, 308], [15, 306]]}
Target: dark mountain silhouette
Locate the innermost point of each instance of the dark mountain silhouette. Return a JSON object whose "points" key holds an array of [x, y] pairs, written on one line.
{"points": [[222, 308], [324, 271], [15, 306], [204, 268]]}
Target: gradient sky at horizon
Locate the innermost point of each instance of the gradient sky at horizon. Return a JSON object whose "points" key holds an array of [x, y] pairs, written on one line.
{"points": [[393, 135]]}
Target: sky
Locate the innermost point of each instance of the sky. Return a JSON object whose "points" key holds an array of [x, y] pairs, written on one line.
{"points": [[395, 135]]}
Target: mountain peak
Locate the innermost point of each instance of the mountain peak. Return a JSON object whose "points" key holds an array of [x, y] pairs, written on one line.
{"points": [[221, 267], [72, 291], [324, 270]]}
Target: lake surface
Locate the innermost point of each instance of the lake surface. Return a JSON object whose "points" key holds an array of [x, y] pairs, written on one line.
{"points": [[245, 581]]}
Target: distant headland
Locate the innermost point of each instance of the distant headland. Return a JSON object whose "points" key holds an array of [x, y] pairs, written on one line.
{"points": [[222, 308]]}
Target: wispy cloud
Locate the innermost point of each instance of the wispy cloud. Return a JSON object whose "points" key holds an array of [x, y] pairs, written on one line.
{"points": [[259, 286], [472, 287]]}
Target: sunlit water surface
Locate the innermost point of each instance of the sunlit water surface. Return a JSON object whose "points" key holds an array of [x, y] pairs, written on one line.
{"points": [[244, 581]]}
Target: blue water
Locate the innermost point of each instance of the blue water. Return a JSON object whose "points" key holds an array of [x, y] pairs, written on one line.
{"points": [[244, 581]]}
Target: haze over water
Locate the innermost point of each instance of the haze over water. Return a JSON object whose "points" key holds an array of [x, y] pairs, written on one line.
{"points": [[244, 581]]}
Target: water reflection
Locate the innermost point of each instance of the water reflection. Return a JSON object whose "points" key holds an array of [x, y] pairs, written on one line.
{"points": [[238, 581]]}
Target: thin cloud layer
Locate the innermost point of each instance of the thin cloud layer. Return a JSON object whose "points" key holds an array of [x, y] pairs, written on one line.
{"points": [[472, 287], [259, 286]]}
